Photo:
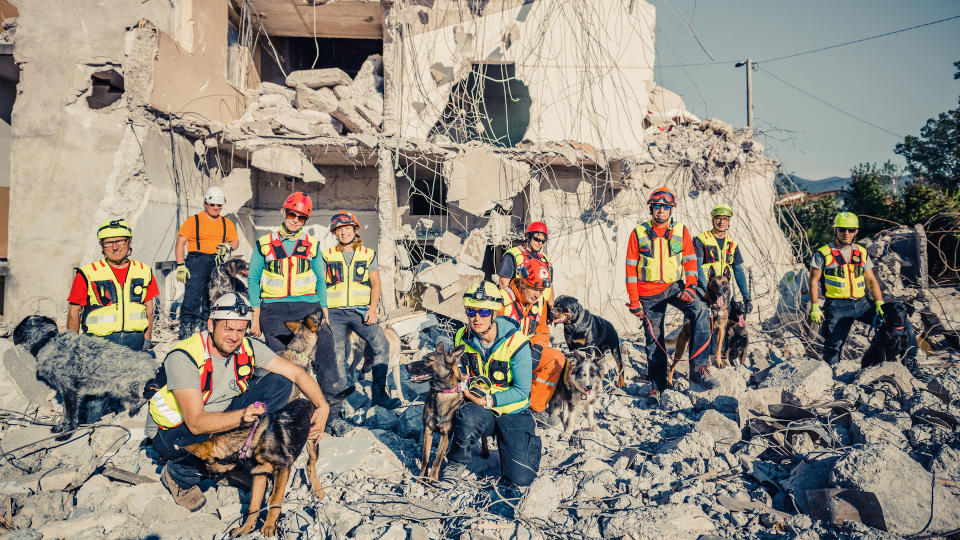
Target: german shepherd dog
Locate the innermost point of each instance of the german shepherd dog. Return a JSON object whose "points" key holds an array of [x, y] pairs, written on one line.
{"points": [[892, 340], [718, 288], [582, 329], [231, 276], [303, 345], [81, 365], [578, 391], [442, 370], [735, 349], [275, 441]]}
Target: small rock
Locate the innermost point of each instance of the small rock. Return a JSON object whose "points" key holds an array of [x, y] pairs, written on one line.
{"points": [[803, 380], [723, 430], [673, 401]]}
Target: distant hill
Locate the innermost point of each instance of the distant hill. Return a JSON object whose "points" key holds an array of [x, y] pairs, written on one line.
{"points": [[819, 186]]}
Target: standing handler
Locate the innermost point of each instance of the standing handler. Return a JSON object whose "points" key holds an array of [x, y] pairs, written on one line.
{"points": [[208, 239], [535, 239]]}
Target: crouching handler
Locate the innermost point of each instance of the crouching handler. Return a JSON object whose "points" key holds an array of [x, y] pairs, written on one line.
{"points": [[525, 303], [210, 390], [498, 366]]}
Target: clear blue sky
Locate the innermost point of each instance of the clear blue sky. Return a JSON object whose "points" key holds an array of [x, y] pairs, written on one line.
{"points": [[896, 82]]}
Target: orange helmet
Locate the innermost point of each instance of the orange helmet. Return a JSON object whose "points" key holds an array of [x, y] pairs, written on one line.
{"points": [[662, 195], [342, 218], [535, 274], [299, 202], [537, 227]]}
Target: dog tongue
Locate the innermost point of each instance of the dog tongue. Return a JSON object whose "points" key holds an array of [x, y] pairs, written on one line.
{"points": [[741, 321], [720, 302]]}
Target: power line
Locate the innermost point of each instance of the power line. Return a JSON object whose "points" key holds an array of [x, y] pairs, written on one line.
{"points": [[834, 107]]}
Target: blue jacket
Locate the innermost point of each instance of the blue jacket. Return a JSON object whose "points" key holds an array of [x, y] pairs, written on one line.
{"points": [[521, 366]]}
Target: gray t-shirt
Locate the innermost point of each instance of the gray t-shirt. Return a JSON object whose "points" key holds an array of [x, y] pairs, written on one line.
{"points": [[348, 258], [818, 259], [182, 373]]}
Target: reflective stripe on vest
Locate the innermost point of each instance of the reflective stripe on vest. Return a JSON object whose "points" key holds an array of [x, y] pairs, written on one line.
{"points": [[521, 255], [112, 306], [661, 257], [712, 258], [287, 274], [348, 285], [496, 368], [843, 279], [163, 405]]}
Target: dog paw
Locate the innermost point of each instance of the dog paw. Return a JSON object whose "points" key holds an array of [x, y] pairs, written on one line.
{"points": [[318, 493], [240, 531], [269, 530]]}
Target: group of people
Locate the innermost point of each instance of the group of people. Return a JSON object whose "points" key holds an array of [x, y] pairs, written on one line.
{"points": [[511, 366]]}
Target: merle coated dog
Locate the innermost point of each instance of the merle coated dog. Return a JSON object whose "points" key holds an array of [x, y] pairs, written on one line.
{"points": [[579, 389], [81, 365], [231, 276], [892, 341], [582, 329], [718, 289], [735, 347]]}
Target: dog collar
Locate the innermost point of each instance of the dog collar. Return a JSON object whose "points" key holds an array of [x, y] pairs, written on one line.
{"points": [[584, 396], [460, 387], [898, 327]]}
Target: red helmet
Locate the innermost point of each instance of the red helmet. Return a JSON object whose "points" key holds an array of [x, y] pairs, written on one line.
{"points": [[662, 195], [537, 227], [299, 202], [343, 218], [535, 274]]}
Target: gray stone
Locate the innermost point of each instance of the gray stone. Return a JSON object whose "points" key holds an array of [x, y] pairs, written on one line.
{"points": [[411, 422], [93, 492], [544, 496], [803, 380], [449, 244], [947, 384], [879, 429], [673, 401], [351, 119], [947, 464], [321, 100], [318, 78], [724, 431], [693, 445], [904, 379], [846, 370]]}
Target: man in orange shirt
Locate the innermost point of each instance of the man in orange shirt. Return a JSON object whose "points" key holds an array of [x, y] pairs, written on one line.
{"points": [[209, 238], [661, 267]]}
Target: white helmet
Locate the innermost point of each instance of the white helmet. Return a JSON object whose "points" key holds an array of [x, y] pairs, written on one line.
{"points": [[215, 195], [232, 306]]}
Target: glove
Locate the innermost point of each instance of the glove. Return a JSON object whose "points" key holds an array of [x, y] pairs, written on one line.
{"points": [[879, 308], [223, 253], [146, 345], [747, 305], [816, 316], [182, 273], [689, 294], [637, 310]]}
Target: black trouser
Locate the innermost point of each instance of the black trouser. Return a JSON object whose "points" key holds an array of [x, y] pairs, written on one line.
{"points": [[516, 439], [654, 308], [185, 468], [196, 295], [838, 317]]}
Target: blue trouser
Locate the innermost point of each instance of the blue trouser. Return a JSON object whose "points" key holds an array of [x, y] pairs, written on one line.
{"points": [[517, 441], [185, 468], [838, 317], [131, 340], [696, 312], [344, 319], [196, 294]]}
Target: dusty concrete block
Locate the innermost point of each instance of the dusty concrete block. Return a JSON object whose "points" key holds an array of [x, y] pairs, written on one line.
{"points": [[403, 280], [693, 445], [723, 430], [351, 119], [499, 229], [90, 525], [358, 449], [893, 370], [448, 244], [59, 478], [93, 492], [322, 100], [877, 430], [451, 307], [318, 78], [21, 368], [456, 289], [307, 123], [369, 77], [285, 160], [237, 189], [803, 380], [682, 520], [545, 495], [473, 248], [372, 115], [441, 275], [478, 180]]}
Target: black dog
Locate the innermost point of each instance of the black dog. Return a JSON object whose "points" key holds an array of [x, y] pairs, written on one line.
{"points": [[735, 347], [894, 340], [582, 329]]}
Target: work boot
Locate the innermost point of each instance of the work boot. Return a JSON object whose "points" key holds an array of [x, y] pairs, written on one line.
{"points": [[192, 499], [653, 397], [701, 375], [379, 389]]}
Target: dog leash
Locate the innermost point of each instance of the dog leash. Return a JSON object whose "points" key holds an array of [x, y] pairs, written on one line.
{"points": [[246, 444]]}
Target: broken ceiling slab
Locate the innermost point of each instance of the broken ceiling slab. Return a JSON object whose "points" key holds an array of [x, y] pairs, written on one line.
{"points": [[449, 244], [285, 160], [442, 275], [473, 248], [478, 180], [318, 78], [237, 189], [353, 19]]}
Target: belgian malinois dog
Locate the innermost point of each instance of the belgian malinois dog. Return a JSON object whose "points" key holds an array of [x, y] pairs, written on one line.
{"points": [[269, 446], [718, 288], [303, 345]]}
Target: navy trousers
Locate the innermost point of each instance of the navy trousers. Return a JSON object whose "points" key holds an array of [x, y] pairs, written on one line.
{"points": [[519, 446], [696, 312], [196, 295]]}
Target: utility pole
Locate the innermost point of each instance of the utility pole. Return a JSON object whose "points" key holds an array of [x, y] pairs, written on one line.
{"points": [[749, 65]]}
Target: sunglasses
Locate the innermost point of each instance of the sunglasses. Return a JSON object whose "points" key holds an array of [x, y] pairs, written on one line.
{"points": [[298, 217], [481, 312], [540, 239], [211, 205], [660, 207], [846, 230]]}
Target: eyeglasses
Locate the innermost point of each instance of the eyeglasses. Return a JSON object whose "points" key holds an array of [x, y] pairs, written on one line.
{"points": [[846, 230], [115, 243], [296, 216], [540, 239], [485, 312], [211, 205], [660, 207]]}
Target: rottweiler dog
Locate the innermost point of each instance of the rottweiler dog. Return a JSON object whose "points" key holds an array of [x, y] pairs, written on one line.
{"points": [[892, 340], [735, 347], [718, 289], [582, 329], [270, 446]]}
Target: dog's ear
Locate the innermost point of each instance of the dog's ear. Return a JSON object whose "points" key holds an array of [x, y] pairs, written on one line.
{"points": [[711, 273], [726, 272], [201, 450], [311, 323], [293, 326], [455, 354]]}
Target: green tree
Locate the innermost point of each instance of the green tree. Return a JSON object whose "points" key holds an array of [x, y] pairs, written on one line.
{"points": [[920, 201], [870, 196], [816, 218]]}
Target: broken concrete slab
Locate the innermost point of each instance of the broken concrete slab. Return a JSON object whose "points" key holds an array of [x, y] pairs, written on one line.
{"points": [[322, 100], [403, 281], [415, 322], [285, 160], [318, 78], [21, 368], [449, 244], [803, 380], [358, 449], [545, 495], [238, 190], [479, 180], [451, 307], [473, 249], [682, 520], [351, 119], [725, 432], [442, 275]]}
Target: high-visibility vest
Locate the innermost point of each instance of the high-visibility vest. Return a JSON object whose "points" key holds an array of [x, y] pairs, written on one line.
{"points": [[287, 274], [348, 285], [112, 306], [843, 279], [520, 255], [712, 257], [661, 257], [495, 368], [525, 315], [163, 405]]}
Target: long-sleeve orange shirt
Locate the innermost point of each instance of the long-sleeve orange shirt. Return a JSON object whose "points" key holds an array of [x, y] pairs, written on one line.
{"points": [[636, 288]]}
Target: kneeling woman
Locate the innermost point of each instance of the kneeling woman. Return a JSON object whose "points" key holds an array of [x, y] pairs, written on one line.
{"points": [[499, 364]]}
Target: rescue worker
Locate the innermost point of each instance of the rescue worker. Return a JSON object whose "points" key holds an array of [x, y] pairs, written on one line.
{"points": [[525, 304], [209, 239], [715, 249], [353, 294], [532, 248], [210, 390], [847, 276], [113, 297], [661, 269], [498, 362]]}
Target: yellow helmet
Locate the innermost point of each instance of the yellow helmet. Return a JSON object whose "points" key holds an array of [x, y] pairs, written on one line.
{"points": [[113, 228], [847, 220], [722, 210], [483, 295]]}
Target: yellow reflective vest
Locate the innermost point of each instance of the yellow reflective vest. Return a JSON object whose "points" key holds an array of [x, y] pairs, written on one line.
{"points": [[520, 255], [712, 257], [348, 285], [163, 405], [287, 274], [843, 279], [495, 368], [112, 306], [661, 257]]}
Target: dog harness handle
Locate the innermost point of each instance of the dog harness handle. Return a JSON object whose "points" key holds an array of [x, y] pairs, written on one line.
{"points": [[246, 444]]}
